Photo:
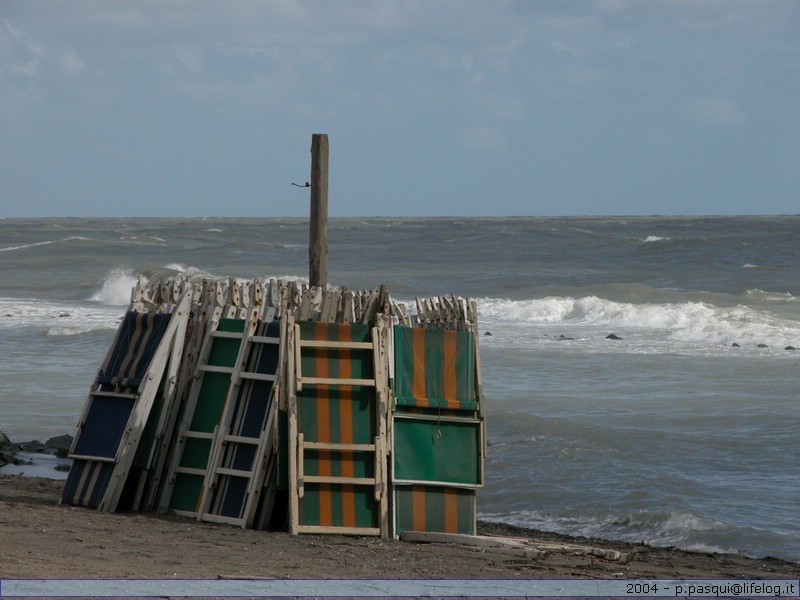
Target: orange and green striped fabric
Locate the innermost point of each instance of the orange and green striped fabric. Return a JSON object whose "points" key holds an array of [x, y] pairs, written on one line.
{"points": [[434, 369], [431, 508], [337, 414]]}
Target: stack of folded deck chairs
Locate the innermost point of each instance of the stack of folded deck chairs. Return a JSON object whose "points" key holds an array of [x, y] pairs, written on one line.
{"points": [[271, 405]]}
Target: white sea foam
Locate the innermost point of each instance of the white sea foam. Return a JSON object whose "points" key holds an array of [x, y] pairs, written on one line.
{"points": [[654, 528], [116, 288], [57, 319], [46, 243], [771, 296], [655, 238], [692, 322]]}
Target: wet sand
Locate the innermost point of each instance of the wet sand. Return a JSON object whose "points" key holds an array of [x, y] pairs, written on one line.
{"points": [[39, 538]]}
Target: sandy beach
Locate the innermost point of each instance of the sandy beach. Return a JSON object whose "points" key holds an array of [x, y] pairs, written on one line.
{"points": [[41, 538]]}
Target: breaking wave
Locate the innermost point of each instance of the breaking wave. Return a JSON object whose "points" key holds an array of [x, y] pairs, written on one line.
{"points": [[45, 243], [116, 289], [670, 528], [698, 322]]}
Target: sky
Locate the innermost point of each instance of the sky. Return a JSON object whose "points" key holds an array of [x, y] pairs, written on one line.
{"points": [[432, 107]]}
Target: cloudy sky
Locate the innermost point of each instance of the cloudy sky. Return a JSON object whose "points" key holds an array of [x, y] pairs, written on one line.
{"points": [[432, 107]]}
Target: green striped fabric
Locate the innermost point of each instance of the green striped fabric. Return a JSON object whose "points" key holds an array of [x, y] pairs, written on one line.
{"points": [[434, 509], [339, 505], [434, 369]]}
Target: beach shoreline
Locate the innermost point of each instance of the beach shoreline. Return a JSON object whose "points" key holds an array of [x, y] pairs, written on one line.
{"points": [[42, 538]]}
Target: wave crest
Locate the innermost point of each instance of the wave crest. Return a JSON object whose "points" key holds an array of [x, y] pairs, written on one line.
{"points": [[656, 528], [698, 322], [117, 288]]}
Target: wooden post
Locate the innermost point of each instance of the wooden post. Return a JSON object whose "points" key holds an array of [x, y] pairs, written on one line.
{"points": [[318, 234]]}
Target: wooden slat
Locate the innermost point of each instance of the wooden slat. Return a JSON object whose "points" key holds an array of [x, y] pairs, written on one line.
{"points": [[258, 376], [263, 339], [215, 369], [212, 518], [510, 545], [336, 381], [233, 335], [344, 447], [336, 344], [114, 394], [189, 471], [343, 480], [200, 435], [233, 472], [104, 459], [339, 530], [240, 439]]}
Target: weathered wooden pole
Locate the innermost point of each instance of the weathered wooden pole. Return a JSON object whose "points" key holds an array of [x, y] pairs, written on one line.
{"points": [[318, 234]]}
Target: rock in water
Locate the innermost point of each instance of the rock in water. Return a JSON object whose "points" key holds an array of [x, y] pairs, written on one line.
{"points": [[613, 336], [32, 446], [59, 445]]}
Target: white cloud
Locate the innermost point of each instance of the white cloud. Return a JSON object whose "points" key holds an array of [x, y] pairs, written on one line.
{"points": [[722, 113], [20, 55], [610, 5], [190, 57], [484, 138], [69, 63]]}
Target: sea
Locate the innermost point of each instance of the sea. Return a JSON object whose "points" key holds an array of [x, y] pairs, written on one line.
{"points": [[683, 432]]}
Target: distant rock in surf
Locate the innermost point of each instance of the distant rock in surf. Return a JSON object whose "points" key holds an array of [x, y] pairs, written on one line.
{"points": [[613, 336], [563, 338], [735, 345], [487, 333], [59, 445], [790, 348], [762, 346]]}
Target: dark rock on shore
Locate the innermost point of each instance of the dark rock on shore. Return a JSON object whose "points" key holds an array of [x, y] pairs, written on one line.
{"points": [[58, 446], [6, 455], [31, 446]]}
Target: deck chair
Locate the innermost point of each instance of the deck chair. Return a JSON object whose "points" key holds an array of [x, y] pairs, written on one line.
{"points": [[337, 435], [437, 431], [117, 409]]}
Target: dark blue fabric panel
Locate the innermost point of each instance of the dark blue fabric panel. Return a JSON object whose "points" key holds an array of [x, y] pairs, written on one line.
{"points": [[137, 340], [105, 423], [87, 483]]}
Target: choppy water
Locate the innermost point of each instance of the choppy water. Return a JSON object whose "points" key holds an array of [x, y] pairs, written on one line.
{"points": [[669, 435]]}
